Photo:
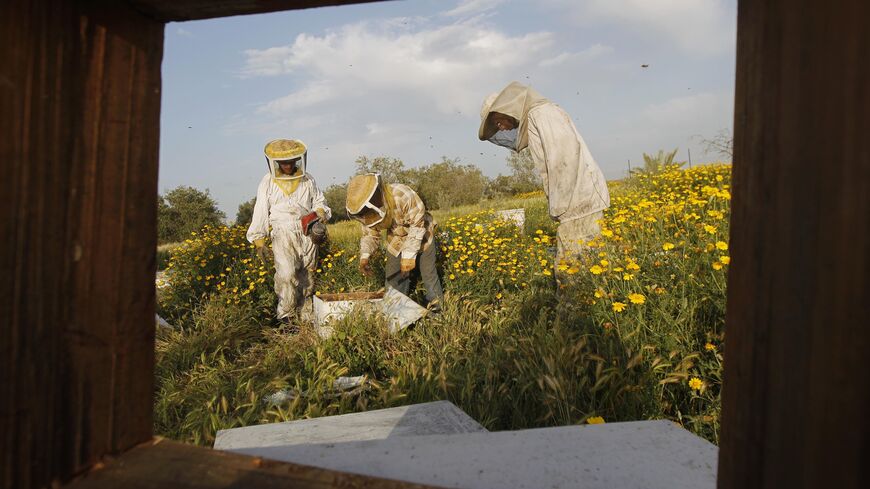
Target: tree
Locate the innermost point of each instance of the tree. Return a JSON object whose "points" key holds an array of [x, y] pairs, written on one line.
{"points": [[722, 144], [500, 186], [336, 196], [658, 163], [392, 170], [448, 183], [525, 177], [245, 212], [184, 210], [443, 184]]}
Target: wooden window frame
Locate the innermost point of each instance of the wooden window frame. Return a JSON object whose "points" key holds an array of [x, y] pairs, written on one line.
{"points": [[79, 138]]}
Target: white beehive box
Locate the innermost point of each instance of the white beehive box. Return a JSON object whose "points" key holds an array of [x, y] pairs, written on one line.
{"points": [[517, 216]]}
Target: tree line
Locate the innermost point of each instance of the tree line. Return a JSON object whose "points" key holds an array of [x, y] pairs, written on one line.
{"points": [[444, 184]]}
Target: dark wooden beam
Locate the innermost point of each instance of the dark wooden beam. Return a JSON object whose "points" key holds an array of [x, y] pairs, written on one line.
{"points": [[164, 463], [181, 10], [79, 119], [797, 384], [36, 142]]}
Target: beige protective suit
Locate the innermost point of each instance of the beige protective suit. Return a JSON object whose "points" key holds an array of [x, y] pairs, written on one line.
{"points": [[573, 183], [281, 206]]}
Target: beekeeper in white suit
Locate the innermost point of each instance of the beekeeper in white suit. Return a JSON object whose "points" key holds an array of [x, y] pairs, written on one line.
{"points": [[518, 117], [289, 201]]}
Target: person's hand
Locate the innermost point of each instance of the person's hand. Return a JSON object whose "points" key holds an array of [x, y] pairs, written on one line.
{"points": [[364, 267], [408, 264], [321, 214], [264, 253]]}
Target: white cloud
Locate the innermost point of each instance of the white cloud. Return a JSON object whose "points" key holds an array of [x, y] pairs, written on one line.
{"points": [[701, 27], [266, 62], [443, 69], [471, 7], [183, 32], [585, 55], [308, 96]]}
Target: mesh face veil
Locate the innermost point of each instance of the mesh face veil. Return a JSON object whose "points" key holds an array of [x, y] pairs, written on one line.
{"points": [[365, 199], [505, 138], [280, 150]]}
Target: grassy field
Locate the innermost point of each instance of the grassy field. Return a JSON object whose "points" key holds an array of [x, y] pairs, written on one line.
{"points": [[632, 330]]}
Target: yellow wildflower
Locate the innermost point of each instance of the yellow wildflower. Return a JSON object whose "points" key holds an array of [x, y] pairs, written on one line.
{"points": [[595, 420], [619, 306], [695, 383], [636, 298]]}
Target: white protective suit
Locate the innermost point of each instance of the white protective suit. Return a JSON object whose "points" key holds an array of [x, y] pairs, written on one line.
{"points": [[295, 254], [573, 183]]}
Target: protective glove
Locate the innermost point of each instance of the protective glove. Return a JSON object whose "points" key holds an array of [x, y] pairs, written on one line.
{"points": [[364, 267], [407, 264], [307, 221], [264, 253]]}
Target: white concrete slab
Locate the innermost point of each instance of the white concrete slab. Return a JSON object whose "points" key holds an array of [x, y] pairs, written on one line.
{"points": [[440, 417], [643, 454]]}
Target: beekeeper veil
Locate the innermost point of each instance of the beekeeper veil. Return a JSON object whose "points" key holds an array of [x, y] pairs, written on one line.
{"points": [[284, 150], [514, 101], [369, 200]]}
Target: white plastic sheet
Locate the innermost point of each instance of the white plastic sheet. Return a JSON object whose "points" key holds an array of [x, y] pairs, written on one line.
{"points": [[399, 310]]}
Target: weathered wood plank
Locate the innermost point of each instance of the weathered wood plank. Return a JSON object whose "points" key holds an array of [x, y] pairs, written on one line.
{"points": [[36, 120], [797, 387], [179, 10], [168, 464], [112, 348], [79, 119]]}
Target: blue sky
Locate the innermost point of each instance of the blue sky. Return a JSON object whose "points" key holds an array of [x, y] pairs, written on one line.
{"points": [[406, 79]]}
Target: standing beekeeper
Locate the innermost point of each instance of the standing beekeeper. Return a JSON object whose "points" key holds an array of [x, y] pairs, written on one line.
{"points": [[518, 117], [398, 210], [289, 201]]}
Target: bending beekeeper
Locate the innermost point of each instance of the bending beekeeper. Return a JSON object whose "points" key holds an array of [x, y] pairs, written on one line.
{"points": [[519, 117], [289, 201], [398, 210]]}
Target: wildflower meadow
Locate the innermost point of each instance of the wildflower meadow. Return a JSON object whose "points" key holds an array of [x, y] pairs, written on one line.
{"points": [[631, 330]]}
